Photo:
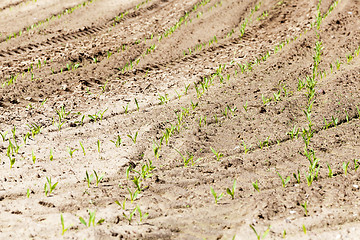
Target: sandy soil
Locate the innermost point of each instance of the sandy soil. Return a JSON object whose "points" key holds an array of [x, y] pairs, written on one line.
{"points": [[166, 99]]}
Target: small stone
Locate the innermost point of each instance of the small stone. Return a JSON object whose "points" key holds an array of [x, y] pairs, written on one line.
{"points": [[321, 91], [292, 212], [356, 186]]}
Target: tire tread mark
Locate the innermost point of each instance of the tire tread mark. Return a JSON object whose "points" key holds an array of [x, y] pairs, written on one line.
{"points": [[82, 32]]}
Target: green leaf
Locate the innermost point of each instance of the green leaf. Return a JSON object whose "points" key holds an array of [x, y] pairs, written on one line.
{"points": [[287, 180], [266, 232], [53, 187], [230, 193], [82, 221], [100, 221]]}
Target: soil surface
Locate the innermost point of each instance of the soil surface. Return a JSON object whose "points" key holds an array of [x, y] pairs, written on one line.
{"points": [[138, 109]]}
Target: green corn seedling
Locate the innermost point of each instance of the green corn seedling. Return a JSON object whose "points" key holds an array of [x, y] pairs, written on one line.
{"points": [[126, 109], [82, 147], [122, 205], [246, 106], [49, 188], [356, 164], [186, 89], [345, 167], [246, 149], [98, 146], [133, 195], [163, 99], [88, 178], [293, 133], [305, 208], [3, 135], [133, 138], [179, 95], [130, 217], [137, 105], [63, 229], [156, 150], [216, 197], [103, 87], [283, 181], [141, 215], [92, 216], [51, 155], [232, 191], [258, 235], [137, 182], [98, 178], [188, 159], [330, 174], [217, 154], [71, 151], [33, 157], [117, 142], [256, 185]]}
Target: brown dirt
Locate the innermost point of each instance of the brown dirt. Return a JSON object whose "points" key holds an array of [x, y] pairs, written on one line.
{"points": [[85, 52]]}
